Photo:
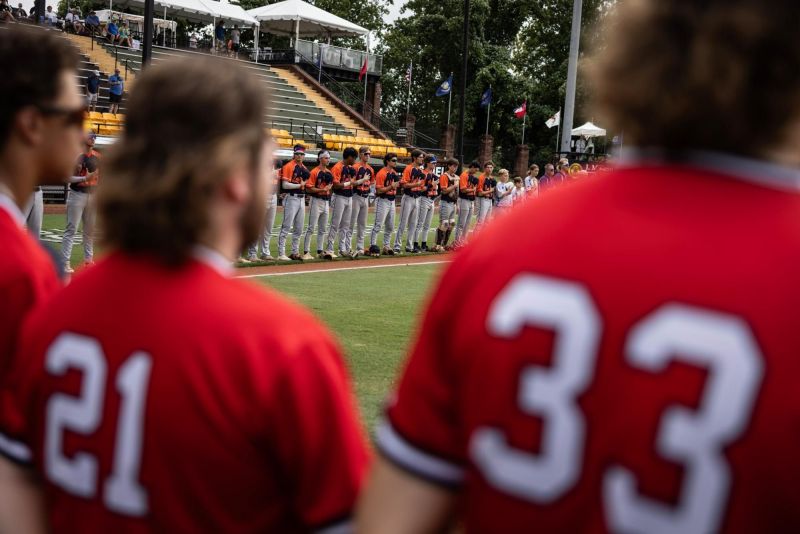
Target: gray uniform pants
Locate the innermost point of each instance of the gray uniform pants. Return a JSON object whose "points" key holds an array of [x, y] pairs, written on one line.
{"points": [[484, 209], [408, 219], [424, 218], [266, 234], [34, 211], [465, 208], [341, 207], [80, 208], [294, 214], [358, 221], [384, 213], [317, 220], [447, 212]]}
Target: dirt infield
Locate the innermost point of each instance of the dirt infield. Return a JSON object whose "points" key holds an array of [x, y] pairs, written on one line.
{"points": [[341, 264]]}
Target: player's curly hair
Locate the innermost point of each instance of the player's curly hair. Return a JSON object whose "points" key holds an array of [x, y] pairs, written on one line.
{"points": [[713, 74], [183, 135]]}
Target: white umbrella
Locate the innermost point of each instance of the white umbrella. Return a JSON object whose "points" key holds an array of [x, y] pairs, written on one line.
{"points": [[588, 130]]}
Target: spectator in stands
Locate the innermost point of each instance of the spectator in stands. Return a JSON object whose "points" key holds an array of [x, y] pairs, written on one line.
{"points": [[112, 32], [5, 12], [19, 12], [124, 35], [92, 89], [73, 19], [563, 173], [192, 40], [519, 194], [219, 35], [236, 39], [50, 17], [116, 88], [503, 190], [92, 22], [548, 179], [532, 181]]}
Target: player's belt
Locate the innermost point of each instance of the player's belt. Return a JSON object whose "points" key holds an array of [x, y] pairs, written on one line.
{"points": [[363, 193], [37, 189], [296, 194], [347, 193], [78, 188], [466, 197], [326, 198], [387, 197], [448, 199]]}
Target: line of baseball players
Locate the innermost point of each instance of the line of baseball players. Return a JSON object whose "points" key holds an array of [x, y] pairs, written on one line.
{"points": [[339, 203]]}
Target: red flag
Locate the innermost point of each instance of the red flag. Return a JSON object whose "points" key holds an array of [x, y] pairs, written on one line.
{"points": [[522, 110], [363, 70]]}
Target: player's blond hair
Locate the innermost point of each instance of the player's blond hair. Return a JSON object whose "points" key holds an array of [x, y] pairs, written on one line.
{"points": [[183, 135], [717, 75]]}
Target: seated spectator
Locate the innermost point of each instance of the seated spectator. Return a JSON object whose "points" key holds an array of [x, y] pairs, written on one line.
{"points": [[112, 32], [73, 21], [50, 16], [5, 12], [124, 38], [92, 22], [193, 41], [19, 12]]}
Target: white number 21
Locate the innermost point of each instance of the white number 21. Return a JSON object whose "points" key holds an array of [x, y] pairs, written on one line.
{"points": [[721, 343], [78, 475]]}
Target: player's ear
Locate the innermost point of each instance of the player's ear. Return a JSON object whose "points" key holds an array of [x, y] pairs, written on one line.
{"points": [[238, 186], [28, 124]]}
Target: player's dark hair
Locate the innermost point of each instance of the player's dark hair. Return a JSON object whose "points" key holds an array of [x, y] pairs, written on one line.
{"points": [[180, 141], [488, 163], [429, 158], [416, 153], [451, 161], [349, 152], [388, 157], [474, 165], [31, 62], [532, 167], [716, 72]]}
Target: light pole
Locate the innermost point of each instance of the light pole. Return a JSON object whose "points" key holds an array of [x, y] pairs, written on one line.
{"points": [[147, 38], [463, 104], [572, 76]]}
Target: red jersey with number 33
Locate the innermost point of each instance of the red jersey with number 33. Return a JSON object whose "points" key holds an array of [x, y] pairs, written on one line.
{"points": [[629, 365], [152, 399]]}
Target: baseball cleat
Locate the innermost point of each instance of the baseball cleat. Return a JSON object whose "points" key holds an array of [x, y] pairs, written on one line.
{"points": [[284, 257], [68, 270], [252, 258], [242, 260], [267, 257], [409, 250], [307, 256], [387, 251], [416, 250]]}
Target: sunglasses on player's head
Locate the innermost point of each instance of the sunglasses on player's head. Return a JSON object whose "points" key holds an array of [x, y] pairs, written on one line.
{"points": [[72, 117]]}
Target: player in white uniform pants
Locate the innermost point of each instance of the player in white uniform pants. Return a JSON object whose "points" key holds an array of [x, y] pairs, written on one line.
{"points": [[447, 205], [365, 177], [503, 192], [466, 203], [484, 196], [341, 203], [269, 223], [34, 212], [386, 183], [426, 204], [80, 205], [293, 177], [319, 188], [409, 204]]}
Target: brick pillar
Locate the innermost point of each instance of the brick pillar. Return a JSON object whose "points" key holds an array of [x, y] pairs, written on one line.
{"points": [[485, 149], [448, 141], [377, 94], [521, 161], [410, 123]]}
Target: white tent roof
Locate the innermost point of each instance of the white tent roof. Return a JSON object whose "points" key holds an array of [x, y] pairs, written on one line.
{"points": [[197, 10], [228, 12], [589, 130], [281, 18]]}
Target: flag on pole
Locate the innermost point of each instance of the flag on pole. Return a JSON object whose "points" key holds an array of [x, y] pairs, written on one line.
{"points": [[486, 98], [446, 87], [408, 72], [521, 111], [555, 120], [363, 70]]}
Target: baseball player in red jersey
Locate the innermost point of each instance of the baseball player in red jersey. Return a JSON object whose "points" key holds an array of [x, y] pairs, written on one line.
{"points": [[319, 186], [365, 176], [193, 407], [41, 120], [344, 178], [631, 366], [386, 183]]}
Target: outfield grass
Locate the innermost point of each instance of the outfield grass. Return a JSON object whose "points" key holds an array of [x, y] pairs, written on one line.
{"points": [[374, 313]]}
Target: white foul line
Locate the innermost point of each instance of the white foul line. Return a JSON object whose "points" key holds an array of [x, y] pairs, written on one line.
{"points": [[317, 271]]}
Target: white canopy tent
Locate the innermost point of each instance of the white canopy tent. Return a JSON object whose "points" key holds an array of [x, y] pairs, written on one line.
{"points": [[298, 19], [589, 130]]}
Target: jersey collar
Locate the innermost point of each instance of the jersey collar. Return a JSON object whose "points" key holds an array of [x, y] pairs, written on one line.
{"points": [[756, 171], [212, 259], [10, 207]]}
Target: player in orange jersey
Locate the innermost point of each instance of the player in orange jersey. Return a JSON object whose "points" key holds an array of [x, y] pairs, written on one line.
{"points": [[201, 403]]}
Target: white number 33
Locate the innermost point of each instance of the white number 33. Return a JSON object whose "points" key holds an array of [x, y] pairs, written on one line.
{"points": [[723, 344]]}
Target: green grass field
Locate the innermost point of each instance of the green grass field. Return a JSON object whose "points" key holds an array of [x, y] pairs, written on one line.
{"points": [[374, 313]]}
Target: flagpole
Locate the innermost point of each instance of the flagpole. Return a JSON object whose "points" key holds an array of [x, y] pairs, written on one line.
{"points": [[319, 75], [488, 113], [450, 100], [410, 75], [558, 134], [524, 118]]}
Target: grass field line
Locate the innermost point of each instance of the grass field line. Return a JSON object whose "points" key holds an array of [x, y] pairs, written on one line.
{"points": [[329, 270]]}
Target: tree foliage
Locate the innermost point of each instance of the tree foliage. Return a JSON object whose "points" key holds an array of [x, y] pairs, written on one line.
{"points": [[519, 47]]}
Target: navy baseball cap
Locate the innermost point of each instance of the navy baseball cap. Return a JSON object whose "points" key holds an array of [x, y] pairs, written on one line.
{"points": [[299, 149]]}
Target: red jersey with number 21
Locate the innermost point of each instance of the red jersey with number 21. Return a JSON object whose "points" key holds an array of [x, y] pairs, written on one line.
{"points": [[152, 399], [630, 366]]}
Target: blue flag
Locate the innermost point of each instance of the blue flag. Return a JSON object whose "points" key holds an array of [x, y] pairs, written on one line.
{"points": [[486, 99], [446, 87]]}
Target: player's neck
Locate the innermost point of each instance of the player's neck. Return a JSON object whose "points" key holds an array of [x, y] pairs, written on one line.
{"points": [[16, 179]]}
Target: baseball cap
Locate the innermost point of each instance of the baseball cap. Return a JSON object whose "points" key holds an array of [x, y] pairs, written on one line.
{"points": [[299, 149]]}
